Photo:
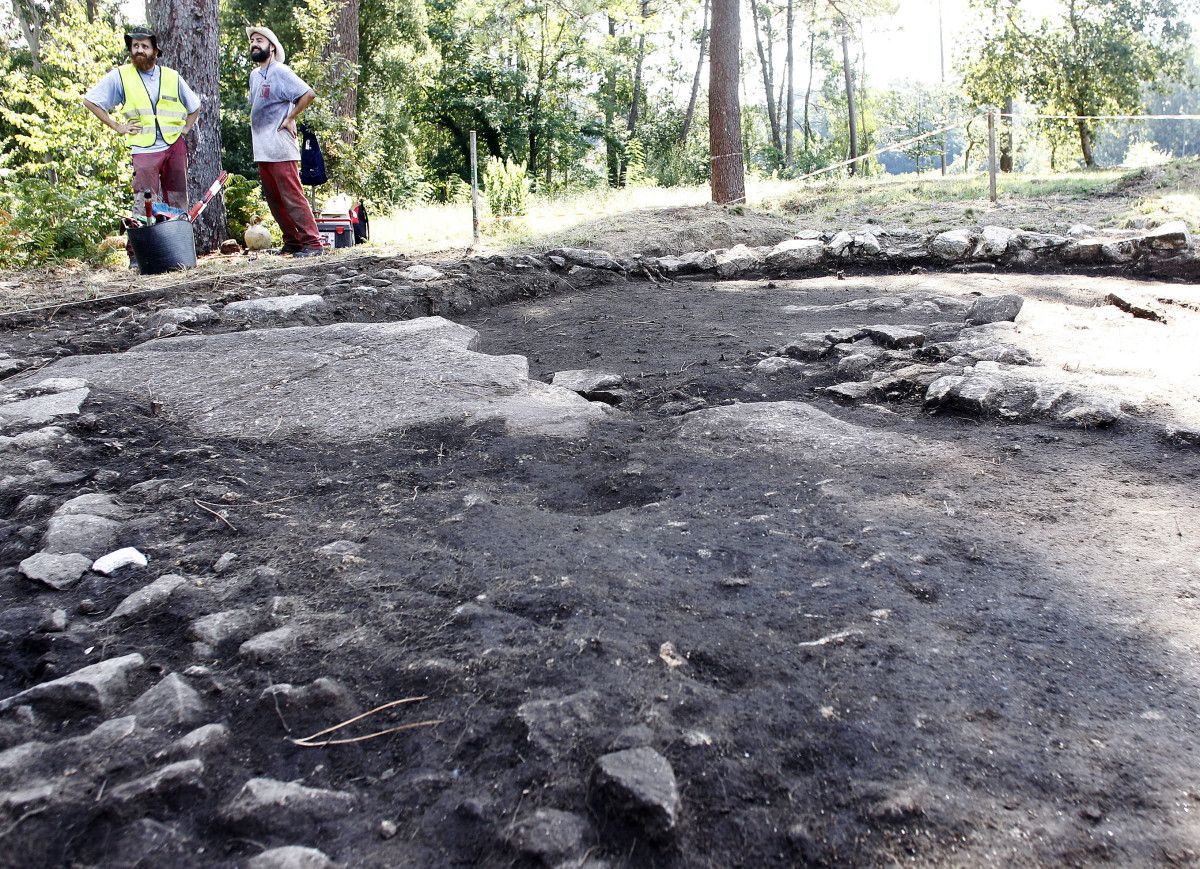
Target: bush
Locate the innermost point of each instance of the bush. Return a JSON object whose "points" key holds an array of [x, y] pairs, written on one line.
{"points": [[42, 222], [506, 188]]}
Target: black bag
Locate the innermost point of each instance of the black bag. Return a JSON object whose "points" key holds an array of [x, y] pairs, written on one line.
{"points": [[362, 227], [312, 161]]}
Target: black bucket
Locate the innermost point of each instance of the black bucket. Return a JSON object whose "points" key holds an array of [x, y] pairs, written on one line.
{"points": [[163, 247]]}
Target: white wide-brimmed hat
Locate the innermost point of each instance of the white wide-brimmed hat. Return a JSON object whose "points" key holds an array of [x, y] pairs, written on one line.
{"points": [[267, 34]]}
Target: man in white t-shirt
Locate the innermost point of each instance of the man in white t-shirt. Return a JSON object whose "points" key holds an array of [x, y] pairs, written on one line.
{"points": [[277, 97]]}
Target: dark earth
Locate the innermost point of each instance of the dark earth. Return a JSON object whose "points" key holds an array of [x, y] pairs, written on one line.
{"points": [[945, 640]]}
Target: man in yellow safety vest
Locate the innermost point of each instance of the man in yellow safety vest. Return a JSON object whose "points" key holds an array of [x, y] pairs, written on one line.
{"points": [[157, 109]]}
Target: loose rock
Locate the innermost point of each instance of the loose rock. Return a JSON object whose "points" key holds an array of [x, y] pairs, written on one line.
{"points": [[267, 805], [114, 561], [638, 784], [55, 570], [94, 688], [550, 835], [291, 857], [170, 703]]}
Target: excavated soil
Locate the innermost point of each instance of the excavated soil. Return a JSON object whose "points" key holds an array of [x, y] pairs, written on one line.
{"points": [[954, 641]]}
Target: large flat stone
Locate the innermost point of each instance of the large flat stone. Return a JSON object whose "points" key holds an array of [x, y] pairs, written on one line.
{"points": [[788, 428], [42, 409], [339, 383]]}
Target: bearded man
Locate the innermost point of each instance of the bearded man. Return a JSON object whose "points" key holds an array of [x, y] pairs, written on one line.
{"points": [[277, 97], [157, 109]]}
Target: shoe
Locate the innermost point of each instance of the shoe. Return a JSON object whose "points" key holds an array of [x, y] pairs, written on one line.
{"points": [[311, 251]]}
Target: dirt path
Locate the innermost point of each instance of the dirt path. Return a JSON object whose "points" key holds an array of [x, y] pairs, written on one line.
{"points": [[869, 635]]}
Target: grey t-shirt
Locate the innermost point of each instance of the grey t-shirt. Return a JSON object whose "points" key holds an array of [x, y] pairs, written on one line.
{"points": [[109, 93], [273, 90]]}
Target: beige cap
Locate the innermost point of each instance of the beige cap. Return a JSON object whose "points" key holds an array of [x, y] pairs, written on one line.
{"points": [[267, 34]]}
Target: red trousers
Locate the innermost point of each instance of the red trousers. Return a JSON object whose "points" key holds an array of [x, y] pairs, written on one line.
{"points": [[284, 193], [164, 174]]}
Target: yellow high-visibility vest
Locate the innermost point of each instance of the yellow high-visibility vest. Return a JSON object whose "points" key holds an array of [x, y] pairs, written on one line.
{"points": [[169, 112]]}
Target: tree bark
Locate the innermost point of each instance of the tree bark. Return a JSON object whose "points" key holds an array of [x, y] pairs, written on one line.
{"points": [[1006, 137], [768, 84], [691, 109], [635, 101], [188, 33], [29, 19], [345, 44], [850, 107], [812, 59], [1085, 142], [724, 107], [612, 151], [789, 64]]}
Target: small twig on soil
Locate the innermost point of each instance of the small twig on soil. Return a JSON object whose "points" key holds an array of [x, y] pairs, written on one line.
{"points": [[833, 638], [18, 821], [201, 505], [315, 740]]}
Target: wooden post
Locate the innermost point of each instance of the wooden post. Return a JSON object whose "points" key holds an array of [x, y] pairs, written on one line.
{"points": [[992, 155], [474, 192]]}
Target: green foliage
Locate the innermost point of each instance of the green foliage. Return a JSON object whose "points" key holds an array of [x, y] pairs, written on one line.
{"points": [[244, 203], [64, 177], [506, 188], [41, 222], [1093, 57]]}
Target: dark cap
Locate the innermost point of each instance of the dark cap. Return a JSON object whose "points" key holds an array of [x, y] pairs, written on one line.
{"points": [[141, 33]]}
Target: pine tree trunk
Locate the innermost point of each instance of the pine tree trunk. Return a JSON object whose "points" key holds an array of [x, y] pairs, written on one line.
{"points": [[612, 152], [188, 36], [850, 107], [691, 109], [790, 64], [812, 60], [769, 85], [724, 107], [635, 102]]}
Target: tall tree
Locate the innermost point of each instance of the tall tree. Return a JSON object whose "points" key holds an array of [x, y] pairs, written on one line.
{"points": [[188, 33], [343, 48], [766, 61], [790, 72], [635, 99], [851, 112], [724, 108], [691, 108]]}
